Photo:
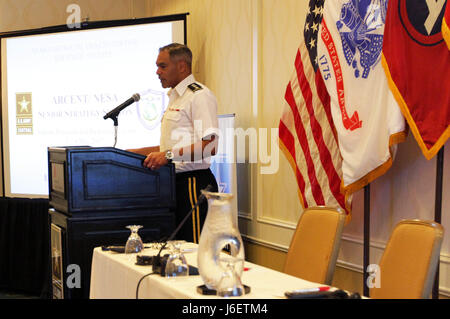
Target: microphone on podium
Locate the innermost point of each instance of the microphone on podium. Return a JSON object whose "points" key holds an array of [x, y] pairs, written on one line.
{"points": [[158, 262], [113, 113]]}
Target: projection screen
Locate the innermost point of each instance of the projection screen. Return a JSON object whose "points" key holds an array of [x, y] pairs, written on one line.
{"points": [[57, 84]]}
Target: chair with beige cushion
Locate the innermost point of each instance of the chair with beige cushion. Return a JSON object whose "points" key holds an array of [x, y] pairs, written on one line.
{"points": [[315, 244], [408, 265]]}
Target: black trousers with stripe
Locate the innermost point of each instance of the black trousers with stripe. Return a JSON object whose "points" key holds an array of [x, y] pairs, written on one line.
{"points": [[188, 187]]}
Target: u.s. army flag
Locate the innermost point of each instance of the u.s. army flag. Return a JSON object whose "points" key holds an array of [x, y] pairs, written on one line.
{"points": [[367, 118]]}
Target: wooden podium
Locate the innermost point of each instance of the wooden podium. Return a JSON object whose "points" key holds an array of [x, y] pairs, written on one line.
{"points": [[94, 193]]}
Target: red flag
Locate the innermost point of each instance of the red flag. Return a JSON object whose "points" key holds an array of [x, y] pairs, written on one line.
{"points": [[445, 26], [306, 130], [417, 63]]}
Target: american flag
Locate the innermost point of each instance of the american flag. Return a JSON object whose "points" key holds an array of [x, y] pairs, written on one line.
{"points": [[306, 130]]}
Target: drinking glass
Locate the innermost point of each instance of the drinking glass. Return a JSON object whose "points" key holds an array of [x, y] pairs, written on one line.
{"points": [[134, 243], [176, 265], [230, 284]]}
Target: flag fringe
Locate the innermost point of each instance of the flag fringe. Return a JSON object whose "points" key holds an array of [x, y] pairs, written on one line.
{"points": [[291, 161], [446, 32]]}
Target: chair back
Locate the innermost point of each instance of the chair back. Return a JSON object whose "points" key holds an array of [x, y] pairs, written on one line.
{"points": [[409, 261], [315, 244]]}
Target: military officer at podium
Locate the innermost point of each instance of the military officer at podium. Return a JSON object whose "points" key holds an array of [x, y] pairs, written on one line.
{"points": [[189, 135]]}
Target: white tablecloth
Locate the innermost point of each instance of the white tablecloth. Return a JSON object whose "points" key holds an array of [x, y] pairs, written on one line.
{"points": [[115, 276]]}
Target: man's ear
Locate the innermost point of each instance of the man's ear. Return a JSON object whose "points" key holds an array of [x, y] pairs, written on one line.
{"points": [[182, 66]]}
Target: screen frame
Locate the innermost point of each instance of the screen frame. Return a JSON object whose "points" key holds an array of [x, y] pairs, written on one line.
{"points": [[86, 25]]}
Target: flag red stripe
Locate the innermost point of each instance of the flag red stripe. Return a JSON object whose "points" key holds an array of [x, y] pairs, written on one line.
{"points": [[324, 97], [288, 141], [301, 134], [324, 153]]}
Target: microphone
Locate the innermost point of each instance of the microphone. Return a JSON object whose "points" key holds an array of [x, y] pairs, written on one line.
{"points": [[112, 114], [158, 263]]}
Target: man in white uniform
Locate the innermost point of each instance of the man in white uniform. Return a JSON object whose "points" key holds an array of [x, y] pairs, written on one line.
{"points": [[189, 136]]}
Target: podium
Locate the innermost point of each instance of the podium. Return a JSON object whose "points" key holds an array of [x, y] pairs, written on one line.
{"points": [[94, 193]]}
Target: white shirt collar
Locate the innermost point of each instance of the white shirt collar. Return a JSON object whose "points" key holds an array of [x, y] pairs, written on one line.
{"points": [[182, 86]]}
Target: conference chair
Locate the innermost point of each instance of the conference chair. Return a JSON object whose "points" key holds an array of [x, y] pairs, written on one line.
{"points": [[408, 265], [315, 245]]}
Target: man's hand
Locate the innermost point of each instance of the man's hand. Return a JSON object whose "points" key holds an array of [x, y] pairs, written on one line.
{"points": [[144, 150], [155, 160]]}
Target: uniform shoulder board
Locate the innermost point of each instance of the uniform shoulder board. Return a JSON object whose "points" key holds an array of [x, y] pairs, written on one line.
{"points": [[194, 87]]}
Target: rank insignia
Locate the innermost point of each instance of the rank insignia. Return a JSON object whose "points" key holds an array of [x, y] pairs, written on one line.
{"points": [[194, 87]]}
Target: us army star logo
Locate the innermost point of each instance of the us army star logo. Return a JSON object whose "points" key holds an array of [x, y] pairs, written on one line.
{"points": [[23, 103]]}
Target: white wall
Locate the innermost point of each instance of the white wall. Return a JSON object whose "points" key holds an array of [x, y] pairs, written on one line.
{"points": [[30, 14]]}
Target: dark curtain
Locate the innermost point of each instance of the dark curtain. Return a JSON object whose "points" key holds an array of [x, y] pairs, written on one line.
{"points": [[24, 246]]}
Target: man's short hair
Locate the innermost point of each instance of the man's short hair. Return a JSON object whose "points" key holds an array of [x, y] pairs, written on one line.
{"points": [[178, 51]]}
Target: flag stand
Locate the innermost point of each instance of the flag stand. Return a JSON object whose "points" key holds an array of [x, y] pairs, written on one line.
{"points": [[366, 256], [438, 210]]}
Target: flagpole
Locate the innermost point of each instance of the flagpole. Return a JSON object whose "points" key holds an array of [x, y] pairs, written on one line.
{"points": [[366, 256], [438, 210]]}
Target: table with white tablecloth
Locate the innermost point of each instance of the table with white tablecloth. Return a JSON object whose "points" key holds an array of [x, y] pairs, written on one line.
{"points": [[116, 276]]}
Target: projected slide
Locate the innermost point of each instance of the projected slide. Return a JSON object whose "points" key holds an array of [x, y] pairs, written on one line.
{"points": [[57, 87]]}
